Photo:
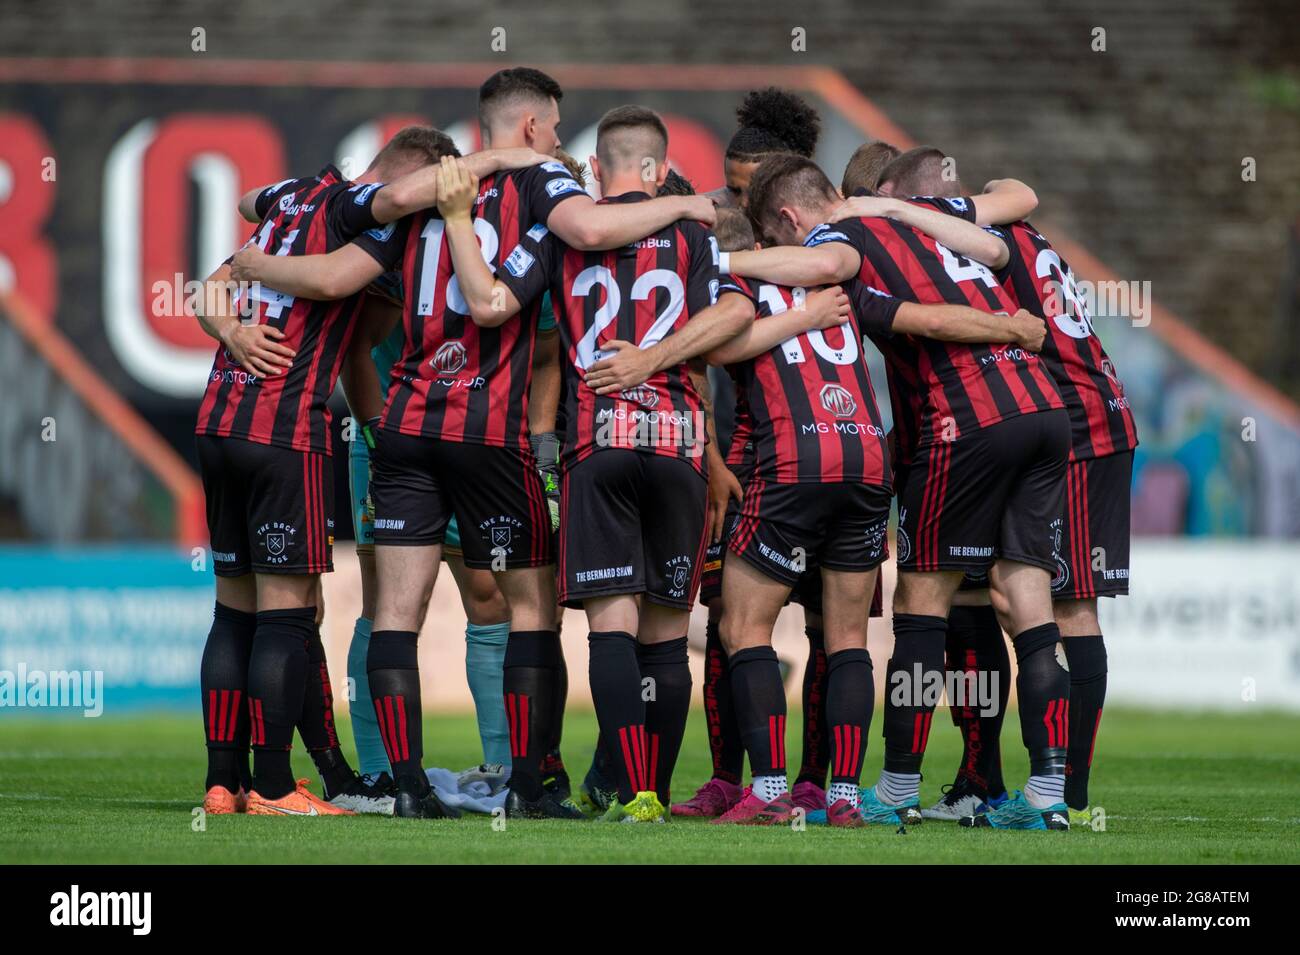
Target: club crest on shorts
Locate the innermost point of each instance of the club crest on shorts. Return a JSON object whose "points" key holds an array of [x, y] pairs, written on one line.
{"points": [[277, 538], [1062, 568], [499, 532], [904, 542], [678, 572]]}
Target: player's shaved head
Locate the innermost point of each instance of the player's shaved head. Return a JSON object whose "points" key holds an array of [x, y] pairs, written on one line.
{"points": [[787, 180], [629, 135], [733, 230], [923, 171], [410, 148], [865, 166], [507, 92]]}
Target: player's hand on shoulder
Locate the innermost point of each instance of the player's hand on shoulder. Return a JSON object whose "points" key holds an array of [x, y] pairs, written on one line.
{"points": [[827, 307], [1034, 330], [245, 266], [699, 208], [520, 157], [630, 367], [258, 350], [864, 207], [457, 189]]}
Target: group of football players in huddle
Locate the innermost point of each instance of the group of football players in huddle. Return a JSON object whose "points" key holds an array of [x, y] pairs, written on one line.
{"points": [[617, 405]]}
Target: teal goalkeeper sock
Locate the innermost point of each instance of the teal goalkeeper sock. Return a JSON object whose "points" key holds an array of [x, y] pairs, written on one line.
{"points": [[485, 652], [365, 729]]}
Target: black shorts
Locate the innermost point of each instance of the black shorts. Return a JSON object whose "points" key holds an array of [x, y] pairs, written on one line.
{"points": [[270, 510], [495, 493], [992, 493], [1092, 543], [715, 554], [808, 593], [787, 530], [631, 522]]}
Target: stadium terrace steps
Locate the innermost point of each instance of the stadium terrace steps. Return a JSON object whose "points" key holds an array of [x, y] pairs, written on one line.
{"points": [[1152, 131]]}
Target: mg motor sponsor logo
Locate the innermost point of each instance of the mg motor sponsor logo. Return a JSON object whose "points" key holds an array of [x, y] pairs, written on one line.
{"points": [[839, 401], [449, 358], [642, 395]]}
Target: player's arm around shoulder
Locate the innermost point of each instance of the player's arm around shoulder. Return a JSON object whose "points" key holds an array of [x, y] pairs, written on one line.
{"points": [[709, 329], [827, 263], [324, 278], [949, 227], [824, 308], [490, 301], [585, 224], [960, 323], [1004, 201]]}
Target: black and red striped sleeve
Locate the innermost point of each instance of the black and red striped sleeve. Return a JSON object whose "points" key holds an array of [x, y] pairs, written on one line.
{"points": [[532, 266], [544, 187], [702, 267], [267, 198], [959, 206], [875, 310]]}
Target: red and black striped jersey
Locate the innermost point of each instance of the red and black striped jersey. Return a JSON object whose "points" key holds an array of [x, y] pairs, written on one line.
{"points": [[964, 387], [309, 216], [639, 293], [740, 453], [1039, 280], [456, 381], [814, 413]]}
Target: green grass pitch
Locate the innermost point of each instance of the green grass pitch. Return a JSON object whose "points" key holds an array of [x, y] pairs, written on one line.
{"points": [[1176, 789]]}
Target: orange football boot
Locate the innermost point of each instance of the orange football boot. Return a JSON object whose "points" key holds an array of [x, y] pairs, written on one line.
{"points": [[220, 801], [300, 802]]}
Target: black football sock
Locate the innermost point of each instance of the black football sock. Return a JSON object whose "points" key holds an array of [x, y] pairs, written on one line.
{"points": [[991, 657], [850, 699], [601, 763], [816, 743], [909, 708], [316, 725], [976, 650], [1043, 691], [277, 682], [529, 679], [616, 692], [760, 708], [668, 665], [725, 744], [553, 761], [1087, 659], [393, 668], [223, 677]]}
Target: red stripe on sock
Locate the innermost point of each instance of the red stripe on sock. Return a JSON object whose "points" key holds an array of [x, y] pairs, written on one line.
{"points": [[629, 761], [394, 753], [401, 724], [1096, 727], [523, 725], [233, 719]]}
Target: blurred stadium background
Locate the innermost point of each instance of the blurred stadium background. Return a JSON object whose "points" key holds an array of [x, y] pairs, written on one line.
{"points": [[128, 130]]}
